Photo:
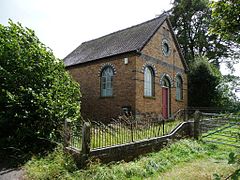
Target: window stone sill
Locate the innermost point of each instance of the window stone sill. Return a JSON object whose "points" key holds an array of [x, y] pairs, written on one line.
{"points": [[149, 97], [106, 97], [178, 100]]}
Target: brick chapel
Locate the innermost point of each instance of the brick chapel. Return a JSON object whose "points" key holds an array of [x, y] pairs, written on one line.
{"points": [[139, 69]]}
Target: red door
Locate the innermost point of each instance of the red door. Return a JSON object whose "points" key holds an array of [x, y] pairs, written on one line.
{"points": [[165, 102]]}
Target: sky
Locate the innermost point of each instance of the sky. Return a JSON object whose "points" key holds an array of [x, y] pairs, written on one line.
{"points": [[63, 25]]}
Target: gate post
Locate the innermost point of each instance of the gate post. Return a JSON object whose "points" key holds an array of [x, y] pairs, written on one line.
{"points": [[196, 129], [85, 145], [185, 114], [86, 138]]}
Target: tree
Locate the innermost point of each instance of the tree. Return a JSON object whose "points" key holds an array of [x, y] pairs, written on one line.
{"points": [[191, 22], [209, 88], [227, 87], [36, 93], [204, 79], [226, 19]]}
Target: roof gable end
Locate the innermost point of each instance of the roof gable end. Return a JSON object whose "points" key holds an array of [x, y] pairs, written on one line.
{"points": [[177, 45], [167, 20]]}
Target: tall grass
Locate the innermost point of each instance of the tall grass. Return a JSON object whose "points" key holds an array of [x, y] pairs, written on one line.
{"points": [[55, 165], [59, 166]]}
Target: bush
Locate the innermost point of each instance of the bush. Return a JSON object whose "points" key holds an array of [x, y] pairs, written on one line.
{"points": [[56, 165], [36, 93]]}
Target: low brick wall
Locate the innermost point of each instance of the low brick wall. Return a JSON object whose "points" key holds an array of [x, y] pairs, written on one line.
{"points": [[132, 150]]}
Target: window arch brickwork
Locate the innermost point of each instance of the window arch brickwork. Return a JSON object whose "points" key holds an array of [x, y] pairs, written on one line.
{"points": [[162, 76], [103, 66], [150, 65]]}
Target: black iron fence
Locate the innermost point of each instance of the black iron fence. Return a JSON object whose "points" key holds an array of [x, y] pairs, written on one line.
{"points": [[73, 134], [120, 132], [123, 136], [127, 129]]}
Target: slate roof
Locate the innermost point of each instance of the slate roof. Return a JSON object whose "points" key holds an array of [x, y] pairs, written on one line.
{"points": [[127, 40]]}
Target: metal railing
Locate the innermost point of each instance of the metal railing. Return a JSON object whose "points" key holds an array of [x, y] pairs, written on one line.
{"points": [[220, 129], [120, 132], [126, 132]]}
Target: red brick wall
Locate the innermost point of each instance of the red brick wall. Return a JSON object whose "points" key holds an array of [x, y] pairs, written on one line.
{"points": [[154, 50], [94, 106], [128, 82]]}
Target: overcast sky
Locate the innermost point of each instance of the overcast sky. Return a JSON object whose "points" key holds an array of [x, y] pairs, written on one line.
{"points": [[63, 25]]}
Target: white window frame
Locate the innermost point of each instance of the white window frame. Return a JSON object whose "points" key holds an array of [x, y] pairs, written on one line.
{"points": [[107, 82], [148, 82], [179, 88]]}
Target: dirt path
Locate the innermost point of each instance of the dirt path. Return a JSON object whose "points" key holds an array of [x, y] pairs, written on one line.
{"points": [[9, 173]]}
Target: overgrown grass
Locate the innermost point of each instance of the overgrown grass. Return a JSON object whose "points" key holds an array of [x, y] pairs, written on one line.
{"points": [[59, 166], [54, 166], [198, 169]]}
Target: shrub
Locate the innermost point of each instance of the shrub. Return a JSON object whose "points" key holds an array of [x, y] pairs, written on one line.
{"points": [[36, 93], [56, 165]]}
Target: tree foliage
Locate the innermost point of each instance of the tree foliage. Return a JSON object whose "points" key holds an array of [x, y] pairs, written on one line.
{"points": [[227, 87], [204, 79], [191, 21], [226, 19], [209, 88], [36, 93]]}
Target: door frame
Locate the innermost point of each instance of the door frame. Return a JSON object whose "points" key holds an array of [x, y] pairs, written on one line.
{"points": [[166, 85], [167, 103]]}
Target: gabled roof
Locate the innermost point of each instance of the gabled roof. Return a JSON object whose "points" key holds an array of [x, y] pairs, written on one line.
{"points": [[123, 41], [132, 39]]}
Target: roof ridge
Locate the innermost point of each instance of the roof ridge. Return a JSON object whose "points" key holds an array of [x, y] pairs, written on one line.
{"points": [[130, 39], [160, 16]]}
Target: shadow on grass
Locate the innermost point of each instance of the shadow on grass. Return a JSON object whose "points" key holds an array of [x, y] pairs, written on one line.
{"points": [[13, 156]]}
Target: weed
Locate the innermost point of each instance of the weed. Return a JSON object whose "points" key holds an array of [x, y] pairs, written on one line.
{"points": [[60, 166], [54, 166]]}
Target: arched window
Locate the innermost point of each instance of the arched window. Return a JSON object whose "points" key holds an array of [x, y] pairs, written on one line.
{"points": [[179, 88], [106, 81], [148, 81]]}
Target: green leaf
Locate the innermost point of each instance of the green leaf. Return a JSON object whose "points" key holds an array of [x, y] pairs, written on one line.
{"points": [[232, 158], [37, 94]]}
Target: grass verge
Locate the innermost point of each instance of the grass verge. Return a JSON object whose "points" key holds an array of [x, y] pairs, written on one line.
{"points": [[198, 169], [154, 165]]}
